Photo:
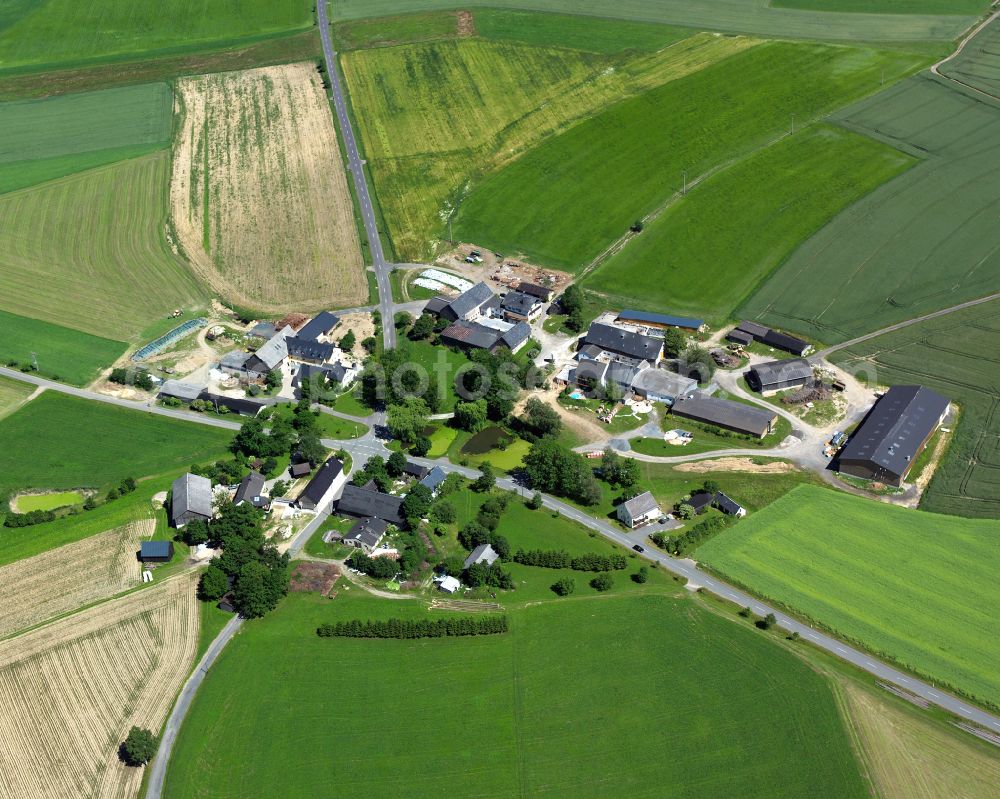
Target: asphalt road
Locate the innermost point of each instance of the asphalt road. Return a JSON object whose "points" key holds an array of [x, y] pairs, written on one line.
{"points": [[356, 168]]}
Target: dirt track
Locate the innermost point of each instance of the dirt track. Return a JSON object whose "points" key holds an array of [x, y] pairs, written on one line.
{"points": [[259, 196]]}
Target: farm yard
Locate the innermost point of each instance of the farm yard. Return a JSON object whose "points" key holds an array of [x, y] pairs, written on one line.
{"points": [[957, 356], [920, 591], [435, 116], [42, 33], [712, 247], [938, 218], [589, 184], [259, 196], [759, 17], [64, 579], [50, 138], [97, 242], [79, 684], [527, 699]]}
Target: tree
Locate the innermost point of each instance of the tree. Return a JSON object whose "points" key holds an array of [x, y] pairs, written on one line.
{"points": [[553, 468], [536, 501], [636, 227], [250, 439], [711, 487], [565, 586], [273, 380], [685, 511], [279, 488], [370, 344], [768, 622], [698, 363], [144, 381], [641, 576], [396, 464], [541, 418], [571, 299], [403, 320], [422, 328], [471, 416], [213, 584], [348, 341], [746, 612], [487, 479], [443, 512], [422, 446], [603, 582], [416, 504], [674, 342], [311, 449], [574, 320], [619, 471], [195, 532], [119, 376], [260, 586], [138, 748], [407, 420]]}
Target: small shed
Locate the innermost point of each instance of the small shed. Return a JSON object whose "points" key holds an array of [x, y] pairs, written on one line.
{"points": [[449, 585], [156, 551]]}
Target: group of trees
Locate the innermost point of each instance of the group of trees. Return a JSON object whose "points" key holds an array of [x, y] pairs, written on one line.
{"points": [[138, 378], [494, 575], [618, 471], [472, 416], [407, 420], [682, 543], [558, 559], [259, 574], [415, 628], [375, 469], [571, 304], [426, 326], [284, 436], [539, 420], [554, 469], [381, 568], [29, 519]]}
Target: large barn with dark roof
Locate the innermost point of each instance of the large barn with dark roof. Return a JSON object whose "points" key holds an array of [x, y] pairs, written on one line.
{"points": [[893, 434]]}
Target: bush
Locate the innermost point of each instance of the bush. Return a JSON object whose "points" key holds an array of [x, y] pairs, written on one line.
{"points": [[443, 512], [603, 582], [29, 519], [641, 576], [138, 748], [564, 587], [535, 502]]}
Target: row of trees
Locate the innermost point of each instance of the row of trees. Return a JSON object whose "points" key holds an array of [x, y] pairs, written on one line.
{"points": [[558, 559], [554, 469], [138, 378], [415, 628], [258, 574]]}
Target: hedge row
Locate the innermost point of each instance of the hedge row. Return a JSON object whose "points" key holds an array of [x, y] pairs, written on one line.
{"points": [[415, 628], [558, 559]]}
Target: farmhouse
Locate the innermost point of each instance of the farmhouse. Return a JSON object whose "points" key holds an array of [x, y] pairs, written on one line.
{"points": [[308, 351], [659, 385], [320, 325], [727, 414], [472, 335], [729, 506], [520, 307], [639, 510], [433, 479], [779, 375], [477, 301], [269, 355], [772, 338], [700, 501], [893, 434], [484, 553], [366, 534], [543, 293], [366, 502], [191, 499], [661, 321], [251, 490], [324, 484], [156, 551], [624, 342], [319, 376]]}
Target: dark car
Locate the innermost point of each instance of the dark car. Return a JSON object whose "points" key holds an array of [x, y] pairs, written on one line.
{"points": [[639, 548]]}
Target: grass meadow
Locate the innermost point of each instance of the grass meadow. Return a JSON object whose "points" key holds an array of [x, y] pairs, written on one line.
{"points": [[62, 442], [731, 16], [711, 248], [683, 703], [916, 587], [590, 183], [433, 116], [97, 243], [57, 136], [956, 355], [938, 218], [36, 33], [12, 394]]}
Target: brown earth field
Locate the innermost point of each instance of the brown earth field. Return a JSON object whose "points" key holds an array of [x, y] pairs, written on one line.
{"points": [[259, 195], [71, 690]]}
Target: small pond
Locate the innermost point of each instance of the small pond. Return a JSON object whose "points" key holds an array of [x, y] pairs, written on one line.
{"points": [[485, 440]]}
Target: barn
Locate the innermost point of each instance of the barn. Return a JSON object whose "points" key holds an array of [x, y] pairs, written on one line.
{"points": [[772, 376]]}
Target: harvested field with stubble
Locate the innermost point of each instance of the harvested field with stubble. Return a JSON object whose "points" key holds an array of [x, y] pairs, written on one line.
{"points": [[69, 577], [70, 692], [259, 195]]}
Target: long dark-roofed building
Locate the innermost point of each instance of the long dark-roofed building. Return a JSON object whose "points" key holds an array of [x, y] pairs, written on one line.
{"points": [[324, 484], [660, 320], [310, 351], [320, 325], [779, 375], [240, 405], [366, 502], [893, 434], [730, 415], [624, 342]]}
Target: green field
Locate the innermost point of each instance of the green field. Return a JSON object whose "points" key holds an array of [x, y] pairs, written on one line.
{"points": [[63, 354], [590, 183], [12, 394], [956, 355], [97, 243], [913, 586], [435, 116], [966, 7], [47, 139], [46, 32], [731, 16], [939, 219], [684, 704], [61, 442], [713, 246], [978, 65]]}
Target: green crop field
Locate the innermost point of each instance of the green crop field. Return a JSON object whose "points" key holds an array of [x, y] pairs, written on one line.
{"points": [[915, 586], [978, 65], [435, 116], [684, 703], [12, 394], [61, 442], [938, 219], [97, 243], [713, 246], [956, 355], [590, 183], [961, 7], [731, 16], [46, 139], [62, 354], [46, 32]]}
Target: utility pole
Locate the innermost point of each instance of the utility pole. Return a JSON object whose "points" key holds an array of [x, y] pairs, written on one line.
{"points": [[684, 191]]}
